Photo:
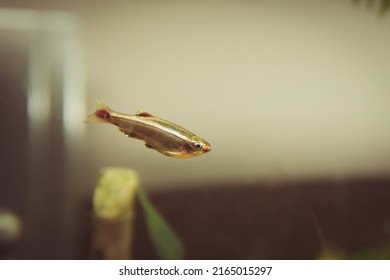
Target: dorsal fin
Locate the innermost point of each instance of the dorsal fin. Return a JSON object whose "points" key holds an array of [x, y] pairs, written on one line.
{"points": [[143, 114]]}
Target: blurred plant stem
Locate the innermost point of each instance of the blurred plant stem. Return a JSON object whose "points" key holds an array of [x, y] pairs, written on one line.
{"points": [[114, 206], [114, 212]]}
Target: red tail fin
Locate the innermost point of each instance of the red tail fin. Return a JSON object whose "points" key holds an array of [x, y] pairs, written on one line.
{"points": [[102, 113]]}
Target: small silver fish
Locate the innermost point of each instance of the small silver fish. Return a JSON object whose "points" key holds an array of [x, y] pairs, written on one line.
{"points": [[163, 136]]}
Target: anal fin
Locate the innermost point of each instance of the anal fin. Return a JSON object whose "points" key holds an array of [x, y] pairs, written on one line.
{"points": [[126, 132]]}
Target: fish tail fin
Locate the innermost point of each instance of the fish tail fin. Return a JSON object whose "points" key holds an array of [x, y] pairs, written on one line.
{"points": [[102, 113]]}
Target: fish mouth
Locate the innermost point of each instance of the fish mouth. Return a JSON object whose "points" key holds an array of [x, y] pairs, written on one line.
{"points": [[207, 149]]}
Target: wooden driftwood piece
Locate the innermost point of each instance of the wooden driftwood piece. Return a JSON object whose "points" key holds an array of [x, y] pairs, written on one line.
{"points": [[113, 204]]}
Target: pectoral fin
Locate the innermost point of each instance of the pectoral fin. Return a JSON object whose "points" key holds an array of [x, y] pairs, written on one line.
{"points": [[175, 154]]}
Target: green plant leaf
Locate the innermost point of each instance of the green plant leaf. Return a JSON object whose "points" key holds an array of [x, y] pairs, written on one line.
{"points": [[164, 239]]}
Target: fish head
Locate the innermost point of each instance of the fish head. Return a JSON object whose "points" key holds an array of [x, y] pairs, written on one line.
{"points": [[198, 146]]}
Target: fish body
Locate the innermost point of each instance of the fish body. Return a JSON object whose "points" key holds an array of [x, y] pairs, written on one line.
{"points": [[161, 135]]}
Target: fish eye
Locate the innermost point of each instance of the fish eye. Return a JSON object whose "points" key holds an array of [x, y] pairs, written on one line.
{"points": [[198, 145]]}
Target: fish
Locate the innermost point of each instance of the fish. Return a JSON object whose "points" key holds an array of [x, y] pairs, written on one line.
{"points": [[158, 134]]}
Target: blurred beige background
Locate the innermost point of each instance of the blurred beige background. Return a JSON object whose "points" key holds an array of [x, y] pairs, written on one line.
{"points": [[280, 89]]}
